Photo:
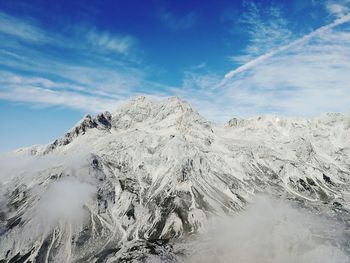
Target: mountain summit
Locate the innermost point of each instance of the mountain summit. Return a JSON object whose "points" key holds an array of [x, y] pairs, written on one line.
{"points": [[134, 184]]}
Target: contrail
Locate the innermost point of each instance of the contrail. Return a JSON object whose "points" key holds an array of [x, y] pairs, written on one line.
{"points": [[299, 41]]}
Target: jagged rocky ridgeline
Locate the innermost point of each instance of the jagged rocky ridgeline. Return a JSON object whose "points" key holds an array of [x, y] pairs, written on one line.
{"points": [[127, 186]]}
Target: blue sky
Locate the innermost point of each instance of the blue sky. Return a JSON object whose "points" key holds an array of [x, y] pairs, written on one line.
{"points": [[62, 59]]}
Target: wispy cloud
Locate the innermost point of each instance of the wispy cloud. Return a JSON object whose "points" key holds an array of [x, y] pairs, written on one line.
{"points": [[286, 47], [22, 29], [45, 92], [106, 41], [93, 70], [266, 28], [47, 97], [85, 68], [338, 8], [178, 22], [304, 77]]}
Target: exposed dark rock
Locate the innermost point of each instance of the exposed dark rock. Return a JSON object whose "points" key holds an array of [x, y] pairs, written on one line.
{"points": [[44, 249], [102, 122], [327, 179], [18, 258]]}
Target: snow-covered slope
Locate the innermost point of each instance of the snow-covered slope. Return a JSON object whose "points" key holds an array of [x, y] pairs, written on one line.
{"points": [[123, 186]]}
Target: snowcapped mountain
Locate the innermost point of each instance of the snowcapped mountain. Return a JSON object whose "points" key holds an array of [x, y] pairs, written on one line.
{"points": [[140, 184]]}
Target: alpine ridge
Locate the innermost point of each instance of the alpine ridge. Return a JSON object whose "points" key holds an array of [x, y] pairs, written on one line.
{"points": [[142, 183]]}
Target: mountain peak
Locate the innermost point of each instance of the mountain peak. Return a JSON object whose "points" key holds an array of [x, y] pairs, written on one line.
{"points": [[172, 112], [178, 104], [142, 102], [141, 109]]}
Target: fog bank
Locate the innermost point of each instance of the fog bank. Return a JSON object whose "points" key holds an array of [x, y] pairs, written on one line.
{"points": [[271, 231]]}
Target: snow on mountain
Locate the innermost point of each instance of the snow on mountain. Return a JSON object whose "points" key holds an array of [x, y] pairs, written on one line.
{"points": [[134, 185]]}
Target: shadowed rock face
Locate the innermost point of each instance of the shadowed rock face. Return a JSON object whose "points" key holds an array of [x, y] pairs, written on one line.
{"points": [[102, 122], [129, 186]]}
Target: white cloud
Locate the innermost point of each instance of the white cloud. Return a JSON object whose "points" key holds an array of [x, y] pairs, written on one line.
{"points": [[286, 47], [305, 77], [22, 29], [47, 97], [270, 231], [338, 8], [105, 40], [178, 22], [266, 28], [63, 200], [89, 70], [306, 80]]}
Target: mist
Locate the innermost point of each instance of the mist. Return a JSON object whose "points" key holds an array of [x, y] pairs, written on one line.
{"points": [[58, 188], [271, 231], [64, 200]]}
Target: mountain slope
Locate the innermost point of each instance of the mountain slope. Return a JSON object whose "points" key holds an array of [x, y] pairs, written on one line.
{"points": [[121, 187]]}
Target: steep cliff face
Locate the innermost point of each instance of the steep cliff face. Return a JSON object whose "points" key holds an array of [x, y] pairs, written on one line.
{"points": [[129, 185]]}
